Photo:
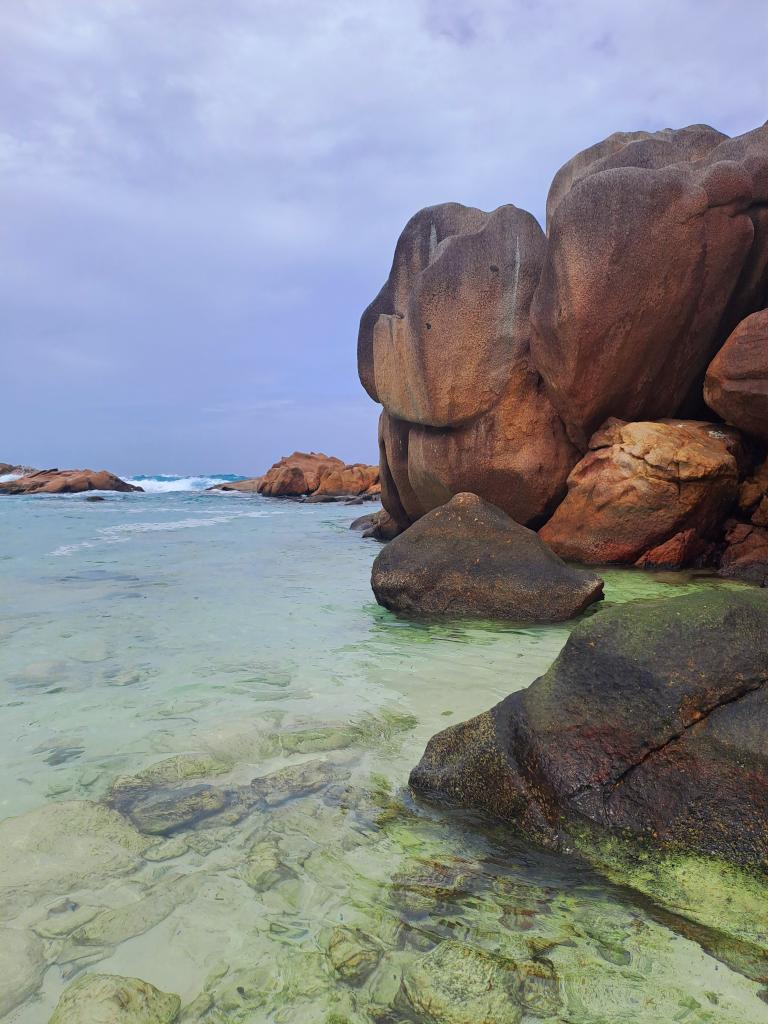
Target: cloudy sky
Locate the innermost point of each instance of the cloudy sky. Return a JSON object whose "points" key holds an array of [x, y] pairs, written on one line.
{"points": [[200, 197]]}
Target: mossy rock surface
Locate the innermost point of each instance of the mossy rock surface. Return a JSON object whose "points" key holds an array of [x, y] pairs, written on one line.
{"points": [[110, 999]]}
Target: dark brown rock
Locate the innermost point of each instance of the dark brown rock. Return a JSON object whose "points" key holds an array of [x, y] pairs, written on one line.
{"points": [[656, 249], [684, 549], [736, 385], [745, 555], [469, 559], [642, 483], [652, 721], [66, 481]]}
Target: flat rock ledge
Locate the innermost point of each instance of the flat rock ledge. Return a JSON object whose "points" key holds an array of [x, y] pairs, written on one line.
{"points": [[651, 724], [469, 559]]}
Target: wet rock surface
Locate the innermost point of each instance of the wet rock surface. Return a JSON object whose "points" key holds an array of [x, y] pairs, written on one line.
{"points": [[652, 721], [468, 558]]}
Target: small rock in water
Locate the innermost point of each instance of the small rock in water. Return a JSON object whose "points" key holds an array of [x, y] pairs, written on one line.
{"points": [[296, 781], [64, 918], [95, 497], [168, 810], [424, 884], [263, 867], [109, 999], [459, 984], [353, 953]]}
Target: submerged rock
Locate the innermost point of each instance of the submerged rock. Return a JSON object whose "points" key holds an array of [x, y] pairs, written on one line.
{"points": [[651, 722], [63, 846], [353, 953], [468, 558], [460, 984], [109, 999], [22, 965], [66, 481]]}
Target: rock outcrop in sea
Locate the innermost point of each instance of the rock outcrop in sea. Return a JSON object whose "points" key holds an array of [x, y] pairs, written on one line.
{"points": [[557, 374], [66, 481], [470, 559], [311, 475]]}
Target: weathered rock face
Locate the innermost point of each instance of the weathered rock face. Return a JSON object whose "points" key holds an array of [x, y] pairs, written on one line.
{"points": [[642, 483], [516, 456], [653, 720], [746, 553], [684, 549], [657, 248], [468, 558], [736, 385], [66, 481], [438, 344], [445, 349], [301, 474]]}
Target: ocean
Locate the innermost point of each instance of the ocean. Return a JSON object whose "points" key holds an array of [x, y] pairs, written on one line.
{"points": [[226, 650]]}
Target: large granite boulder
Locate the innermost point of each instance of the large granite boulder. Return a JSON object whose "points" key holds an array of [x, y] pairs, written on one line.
{"points": [[517, 455], [657, 248], [651, 723], [438, 344], [736, 385], [469, 559], [445, 347], [66, 481], [640, 484]]}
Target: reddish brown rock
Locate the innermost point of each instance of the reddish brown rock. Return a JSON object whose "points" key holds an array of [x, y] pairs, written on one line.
{"points": [[642, 483], [438, 344], [736, 385], [66, 481], [314, 474], [746, 553], [754, 489], [516, 456], [684, 549], [649, 265], [349, 480], [397, 495]]}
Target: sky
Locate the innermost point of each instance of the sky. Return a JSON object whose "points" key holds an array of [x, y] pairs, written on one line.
{"points": [[199, 198]]}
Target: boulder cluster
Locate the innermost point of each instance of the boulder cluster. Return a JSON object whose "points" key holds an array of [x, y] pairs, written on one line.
{"points": [[64, 481], [606, 381], [311, 475]]}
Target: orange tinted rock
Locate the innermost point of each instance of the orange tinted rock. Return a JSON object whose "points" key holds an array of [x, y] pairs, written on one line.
{"points": [[680, 551], [66, 481], [516, 455], [349, 480], [736, 385], [746, 553], [642, 483], [397, 495], [438, 344], [297, 474], [649, 265]]}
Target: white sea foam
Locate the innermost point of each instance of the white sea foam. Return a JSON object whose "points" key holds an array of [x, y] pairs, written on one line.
{"points": [[125, 531], [165, 483]]}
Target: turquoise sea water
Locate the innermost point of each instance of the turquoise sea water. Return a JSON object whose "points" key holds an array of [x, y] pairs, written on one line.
{"points": [[239, 636]]}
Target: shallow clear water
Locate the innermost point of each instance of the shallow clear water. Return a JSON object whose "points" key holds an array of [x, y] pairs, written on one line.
{"points": [[243, 631]]}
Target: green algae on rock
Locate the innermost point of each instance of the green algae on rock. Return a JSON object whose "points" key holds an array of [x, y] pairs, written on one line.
{"points": [[108, 999], [653, 720]]}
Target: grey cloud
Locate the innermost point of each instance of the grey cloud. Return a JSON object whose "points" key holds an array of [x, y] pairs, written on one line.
{"points": [[201, 198]]}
